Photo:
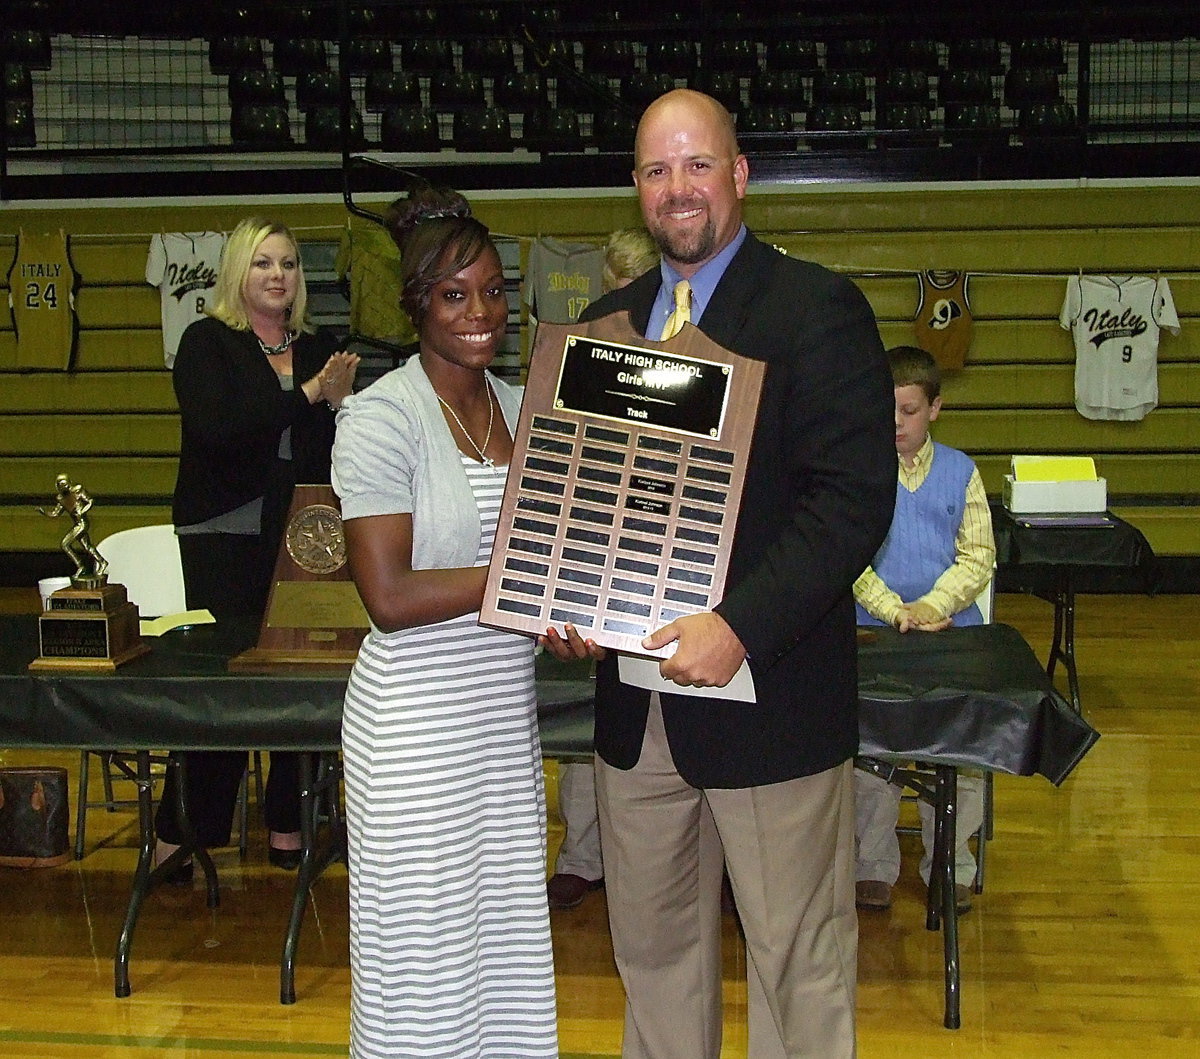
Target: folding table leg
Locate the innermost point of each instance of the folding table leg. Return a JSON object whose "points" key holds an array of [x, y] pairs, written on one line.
{"points": [[941, 901], [147, 874], [1062, 647], [141, 876], [316, 786], [304, 878], [190, 843]]}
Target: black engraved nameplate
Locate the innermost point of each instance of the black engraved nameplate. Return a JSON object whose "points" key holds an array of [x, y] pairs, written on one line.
{"points": [[86, 628], [622, 498]]}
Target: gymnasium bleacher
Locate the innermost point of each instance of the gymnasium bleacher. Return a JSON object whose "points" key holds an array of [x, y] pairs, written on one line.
{"points": [[100, 78], [1019, 149]]}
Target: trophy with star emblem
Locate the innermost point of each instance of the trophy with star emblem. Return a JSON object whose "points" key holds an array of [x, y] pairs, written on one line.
{"points": [[314, 615]]}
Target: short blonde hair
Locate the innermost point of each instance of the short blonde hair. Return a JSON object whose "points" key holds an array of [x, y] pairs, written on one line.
{"points": [[229, 304], [628, 253]]}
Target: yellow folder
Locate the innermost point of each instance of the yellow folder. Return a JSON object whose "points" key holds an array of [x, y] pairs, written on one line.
{"points": [[1054, 468]]}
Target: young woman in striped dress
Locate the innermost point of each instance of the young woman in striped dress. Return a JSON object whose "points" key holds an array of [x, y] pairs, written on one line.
{"points": [[449, 935]]}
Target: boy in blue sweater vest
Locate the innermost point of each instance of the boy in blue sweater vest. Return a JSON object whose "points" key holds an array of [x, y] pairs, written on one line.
{"points": [[937, 558]]}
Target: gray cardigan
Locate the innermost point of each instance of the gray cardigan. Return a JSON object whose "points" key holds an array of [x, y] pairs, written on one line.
{"points": [[394, 453]]}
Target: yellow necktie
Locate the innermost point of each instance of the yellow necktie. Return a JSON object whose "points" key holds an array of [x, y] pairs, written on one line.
{"points": [[682, 313]]}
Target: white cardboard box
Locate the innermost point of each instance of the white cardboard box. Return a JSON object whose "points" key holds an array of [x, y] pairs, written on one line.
{"points": [[1032, 498]]}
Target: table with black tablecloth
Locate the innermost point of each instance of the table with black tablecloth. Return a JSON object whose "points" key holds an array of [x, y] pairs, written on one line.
{"points": [[182, 696], [1055, 553], [971, 697]]}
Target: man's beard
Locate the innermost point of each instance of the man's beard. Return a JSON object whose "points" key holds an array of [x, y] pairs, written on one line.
{"points": [[688, 248]]}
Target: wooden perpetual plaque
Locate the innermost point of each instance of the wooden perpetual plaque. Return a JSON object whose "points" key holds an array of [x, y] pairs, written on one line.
{"points": [[314, 615], [622, 497], [89, 626]]}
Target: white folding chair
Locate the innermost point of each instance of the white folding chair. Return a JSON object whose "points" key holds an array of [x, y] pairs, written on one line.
{"points": [[146, 561], [987, 598]]}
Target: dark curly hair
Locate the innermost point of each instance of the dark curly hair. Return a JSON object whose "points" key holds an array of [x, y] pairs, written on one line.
{"points": [[437, 237]]}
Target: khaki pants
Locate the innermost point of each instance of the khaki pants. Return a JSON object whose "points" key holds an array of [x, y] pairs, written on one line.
{"points": [[789, 850]]}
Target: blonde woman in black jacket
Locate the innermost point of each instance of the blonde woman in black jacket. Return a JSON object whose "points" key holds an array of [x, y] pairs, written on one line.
{"points": [[257, 389]]}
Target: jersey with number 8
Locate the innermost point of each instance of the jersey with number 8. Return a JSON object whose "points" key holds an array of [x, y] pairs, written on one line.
{"points": [[183, 266]]}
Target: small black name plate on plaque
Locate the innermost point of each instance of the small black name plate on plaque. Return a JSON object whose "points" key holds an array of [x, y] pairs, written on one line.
{"points": [[622, 498]]}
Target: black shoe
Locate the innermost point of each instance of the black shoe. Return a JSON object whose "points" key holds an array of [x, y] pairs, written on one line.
{"points": [[287, 859], [568, 891], [872, 893], [180, 875]]}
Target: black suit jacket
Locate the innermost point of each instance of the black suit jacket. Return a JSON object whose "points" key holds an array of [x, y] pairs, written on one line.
{"points": [[232, 414], [817, 503]]}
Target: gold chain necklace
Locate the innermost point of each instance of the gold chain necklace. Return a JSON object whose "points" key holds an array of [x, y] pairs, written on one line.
{"points": [[487, 461]]}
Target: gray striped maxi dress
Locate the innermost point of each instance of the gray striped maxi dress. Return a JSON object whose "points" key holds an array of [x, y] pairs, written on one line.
{"points": [[449, 928]]}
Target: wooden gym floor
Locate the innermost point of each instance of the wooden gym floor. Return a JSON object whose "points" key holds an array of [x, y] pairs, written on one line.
{"points": [[1085, 942]]}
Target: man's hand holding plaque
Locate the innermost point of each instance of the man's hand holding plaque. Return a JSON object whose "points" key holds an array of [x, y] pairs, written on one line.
{"points": [[707, 653], [708, 657]]}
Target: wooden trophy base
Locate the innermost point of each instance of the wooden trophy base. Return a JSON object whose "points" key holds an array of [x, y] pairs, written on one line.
{"points": [[267, 660], [88, 629]]}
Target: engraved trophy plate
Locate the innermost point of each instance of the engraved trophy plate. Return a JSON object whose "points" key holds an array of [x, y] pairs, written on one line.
{"points": [[88, 628], [622, 498], [314, 615]]}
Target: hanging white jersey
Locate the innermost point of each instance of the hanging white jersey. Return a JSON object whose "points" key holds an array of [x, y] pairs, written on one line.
{"points": [[183, 266], [1116, 321]]}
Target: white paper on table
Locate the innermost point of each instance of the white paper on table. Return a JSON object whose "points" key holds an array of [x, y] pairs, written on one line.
{"points": [[643, 672]]}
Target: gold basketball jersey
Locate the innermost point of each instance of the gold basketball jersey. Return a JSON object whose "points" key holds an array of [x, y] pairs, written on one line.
{"points": [[943, 321], [41, 298]]}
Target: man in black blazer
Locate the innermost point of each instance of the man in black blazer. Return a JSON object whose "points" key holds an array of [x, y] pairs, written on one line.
{"points": [[769, 781]]}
